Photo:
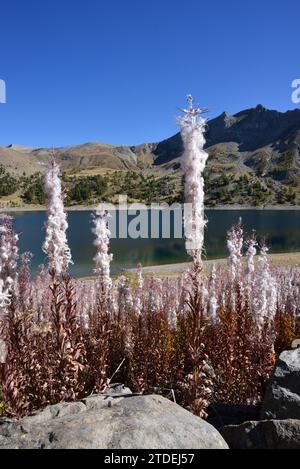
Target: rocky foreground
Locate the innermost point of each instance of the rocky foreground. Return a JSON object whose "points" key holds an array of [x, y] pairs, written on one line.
{"points": [[123, 421], [279, 424], [120, 419]]}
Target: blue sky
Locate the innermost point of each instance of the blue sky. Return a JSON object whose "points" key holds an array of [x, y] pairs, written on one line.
{"points": [[114, 71]]}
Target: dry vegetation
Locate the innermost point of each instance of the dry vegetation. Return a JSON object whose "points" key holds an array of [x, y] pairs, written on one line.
{"points": [[209, 339]]}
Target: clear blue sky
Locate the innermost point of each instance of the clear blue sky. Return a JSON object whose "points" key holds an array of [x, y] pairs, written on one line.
{"points": [[114, 71]]}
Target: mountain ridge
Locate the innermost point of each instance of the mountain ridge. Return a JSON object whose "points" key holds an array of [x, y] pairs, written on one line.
{"points": [[246, 128], [258, 143]]}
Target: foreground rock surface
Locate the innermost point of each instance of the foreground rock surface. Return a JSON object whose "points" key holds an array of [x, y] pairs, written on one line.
{"points": [[282, 400], [266, 434], [109, 422]]}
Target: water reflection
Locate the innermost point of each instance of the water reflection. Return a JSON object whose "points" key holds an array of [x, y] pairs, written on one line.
{"points": [[280, 228]]}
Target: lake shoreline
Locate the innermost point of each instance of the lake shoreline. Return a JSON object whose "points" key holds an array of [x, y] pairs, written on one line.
{"points": [[285, 259], [90, 208], [279, 229]]}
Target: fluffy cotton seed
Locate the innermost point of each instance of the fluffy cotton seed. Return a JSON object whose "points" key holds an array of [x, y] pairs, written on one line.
{"points": [[265, 292], [213, 302], [102, 258], [56, 244], [250, 254], [193, 163], [235, 245], [139, 276], [9, 255], [5, 296]]}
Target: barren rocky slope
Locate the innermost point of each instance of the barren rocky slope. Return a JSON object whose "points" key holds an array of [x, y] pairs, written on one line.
{"points": [[253, 158]]}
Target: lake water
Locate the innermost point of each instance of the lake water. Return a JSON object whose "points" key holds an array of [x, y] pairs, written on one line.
{"points": [[281, 229]]}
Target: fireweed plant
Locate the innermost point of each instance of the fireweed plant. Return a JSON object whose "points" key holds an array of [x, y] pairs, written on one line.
{"points": [[202, 338]]}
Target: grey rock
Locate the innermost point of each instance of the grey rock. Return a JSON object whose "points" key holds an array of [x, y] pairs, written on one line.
{"points": [[282, 399], [116, 389], [266, 434], [107, 422]]}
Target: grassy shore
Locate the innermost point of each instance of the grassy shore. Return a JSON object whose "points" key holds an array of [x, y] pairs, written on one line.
{"points": [[289, 259]]}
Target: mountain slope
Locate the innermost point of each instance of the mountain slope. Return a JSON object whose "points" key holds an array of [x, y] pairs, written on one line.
{"points": [[252, 154]]}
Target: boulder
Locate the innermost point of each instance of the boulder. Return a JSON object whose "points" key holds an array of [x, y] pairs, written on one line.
{"points": [[266, 434], [116, 390], [221, 415], [111, 422], [282, 399]]}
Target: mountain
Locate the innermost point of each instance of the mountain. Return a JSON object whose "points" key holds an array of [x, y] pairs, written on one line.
{"points": [[249, 132], [253, 158]]}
